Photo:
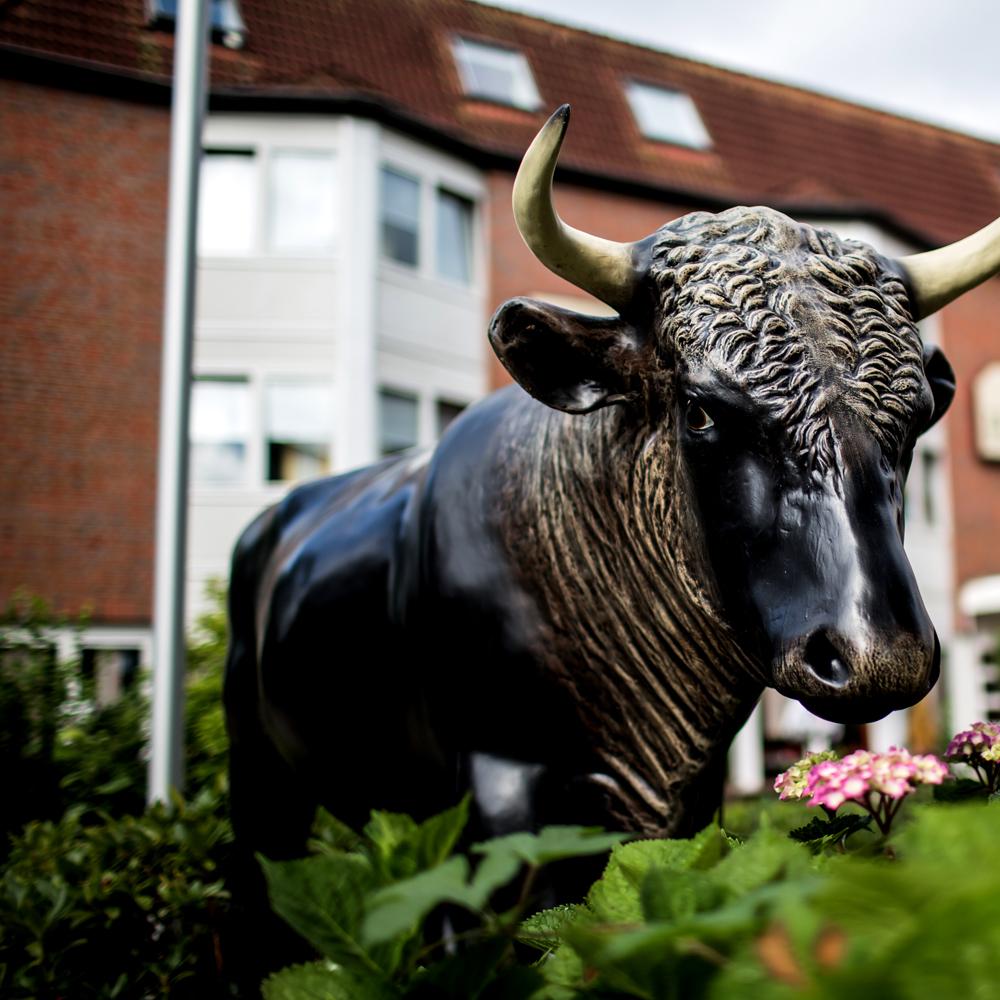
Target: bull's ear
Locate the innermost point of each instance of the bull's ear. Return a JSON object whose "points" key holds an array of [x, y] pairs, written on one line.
{"points": [[567, 360], [939, 374]]}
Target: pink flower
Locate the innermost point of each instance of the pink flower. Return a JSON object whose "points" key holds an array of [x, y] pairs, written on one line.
{"points": [[973, 741], [876, 781], [979, 748]]}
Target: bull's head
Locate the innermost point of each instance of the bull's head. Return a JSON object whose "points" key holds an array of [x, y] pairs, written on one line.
{"points": [[782, 367]]}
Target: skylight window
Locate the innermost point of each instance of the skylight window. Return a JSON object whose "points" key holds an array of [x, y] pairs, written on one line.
{"points": [[227, 24], [667, 116], [495, 74]]}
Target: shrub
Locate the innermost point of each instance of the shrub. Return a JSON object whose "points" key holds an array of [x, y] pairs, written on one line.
{"points": [[61, 748], [100, 897], [96, 906], [711, 918]]}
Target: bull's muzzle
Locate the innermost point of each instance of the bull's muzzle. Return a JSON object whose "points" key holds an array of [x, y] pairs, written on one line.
{"points": [[848, 681]]}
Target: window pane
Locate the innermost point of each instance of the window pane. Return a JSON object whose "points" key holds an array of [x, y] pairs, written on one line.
{"points": [[454, 237], [668, 115], [227, 203], [220, 425], [298, 425], [302, 209], [400, 216], [501, 75], [397, 421], [446, 413]]}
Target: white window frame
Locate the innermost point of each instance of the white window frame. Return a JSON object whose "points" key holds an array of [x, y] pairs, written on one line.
{"points": [[263, 154], [430, 182], [422, 218], [464, 49], [257, 377], [697, 137], [427, 395]]}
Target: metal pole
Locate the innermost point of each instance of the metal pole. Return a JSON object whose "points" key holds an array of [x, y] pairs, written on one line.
{"points": [[167, 738]]}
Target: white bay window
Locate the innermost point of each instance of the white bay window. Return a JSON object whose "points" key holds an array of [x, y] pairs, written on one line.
{"points": [[271, 201]]}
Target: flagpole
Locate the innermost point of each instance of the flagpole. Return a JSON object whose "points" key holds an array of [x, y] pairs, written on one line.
{"points": [[169, 660]]}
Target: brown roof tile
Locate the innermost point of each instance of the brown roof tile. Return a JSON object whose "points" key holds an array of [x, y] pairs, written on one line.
{"points": [[771, 142]]}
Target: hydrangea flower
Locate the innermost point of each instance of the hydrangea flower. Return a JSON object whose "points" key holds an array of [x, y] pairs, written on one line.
{"points": [[979, 747], [878, 782], [791, 784]]}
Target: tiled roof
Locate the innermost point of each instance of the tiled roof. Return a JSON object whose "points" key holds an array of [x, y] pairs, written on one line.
{"points": [[771, 143]]}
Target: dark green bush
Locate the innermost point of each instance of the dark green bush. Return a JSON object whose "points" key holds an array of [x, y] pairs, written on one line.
{"points": [[100, 897], [96, 906], [60, 748]]}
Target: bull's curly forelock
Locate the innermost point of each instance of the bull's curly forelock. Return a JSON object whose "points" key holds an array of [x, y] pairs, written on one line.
{"points": [[798, 316]]}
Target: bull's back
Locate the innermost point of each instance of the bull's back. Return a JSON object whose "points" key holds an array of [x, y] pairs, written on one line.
{"points": [[315, 669]]}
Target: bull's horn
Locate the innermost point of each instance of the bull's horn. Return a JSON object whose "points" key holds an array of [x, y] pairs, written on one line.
{"points": [[938, 276], [601, 267]]}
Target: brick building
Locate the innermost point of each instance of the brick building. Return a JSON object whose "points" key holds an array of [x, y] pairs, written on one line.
{"points": [[355, 237]]}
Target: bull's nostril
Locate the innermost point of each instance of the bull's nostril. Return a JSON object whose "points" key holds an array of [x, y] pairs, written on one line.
{"points": [[825, 661]]}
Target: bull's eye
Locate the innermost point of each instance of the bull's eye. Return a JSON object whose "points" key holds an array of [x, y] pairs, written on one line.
{"points": [[697, 418]]}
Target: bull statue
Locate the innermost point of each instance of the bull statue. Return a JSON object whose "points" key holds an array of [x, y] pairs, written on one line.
{"points": [[572, 605]]}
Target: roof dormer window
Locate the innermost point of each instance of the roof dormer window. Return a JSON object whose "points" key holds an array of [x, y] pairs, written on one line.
{"points": [[495, 74], [667, 115], [224, 15]]}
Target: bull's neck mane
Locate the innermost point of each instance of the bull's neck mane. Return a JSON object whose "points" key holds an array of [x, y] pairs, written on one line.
{"points": [[604, 540]]}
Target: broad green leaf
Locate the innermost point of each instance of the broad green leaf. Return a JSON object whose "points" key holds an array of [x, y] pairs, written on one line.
{"points": [[400, 908], [438, 835], [330, 834], [552, 843], [401, 847], [615, 898], [766, 856], [325, 981], [321, 898], [563, 971], [637, 963], [678, 895]]}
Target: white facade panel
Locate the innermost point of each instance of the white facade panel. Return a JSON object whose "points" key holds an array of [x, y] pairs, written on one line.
{"points": [[261, 293], [447, 327], [340, 314]]}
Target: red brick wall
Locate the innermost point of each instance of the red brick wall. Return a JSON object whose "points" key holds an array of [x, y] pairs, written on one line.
{"points": [[82, 215], [971, 339], [514, 271]]}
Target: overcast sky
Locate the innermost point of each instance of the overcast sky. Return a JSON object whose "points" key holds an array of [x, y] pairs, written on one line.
{"points": [[930, 59]]}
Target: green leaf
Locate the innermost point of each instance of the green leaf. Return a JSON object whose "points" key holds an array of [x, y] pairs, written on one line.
{"points": [[822, 832], [321, 898], [438, 835], [544, 930], [400, 908], [329, 834], [637, 963], [765, 857], [401, 847], [616, 897], [678, 895], [325, 981], [552, 843]]}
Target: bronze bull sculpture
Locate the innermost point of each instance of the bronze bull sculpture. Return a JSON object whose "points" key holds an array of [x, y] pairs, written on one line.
{"points": [[572, 605]]}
